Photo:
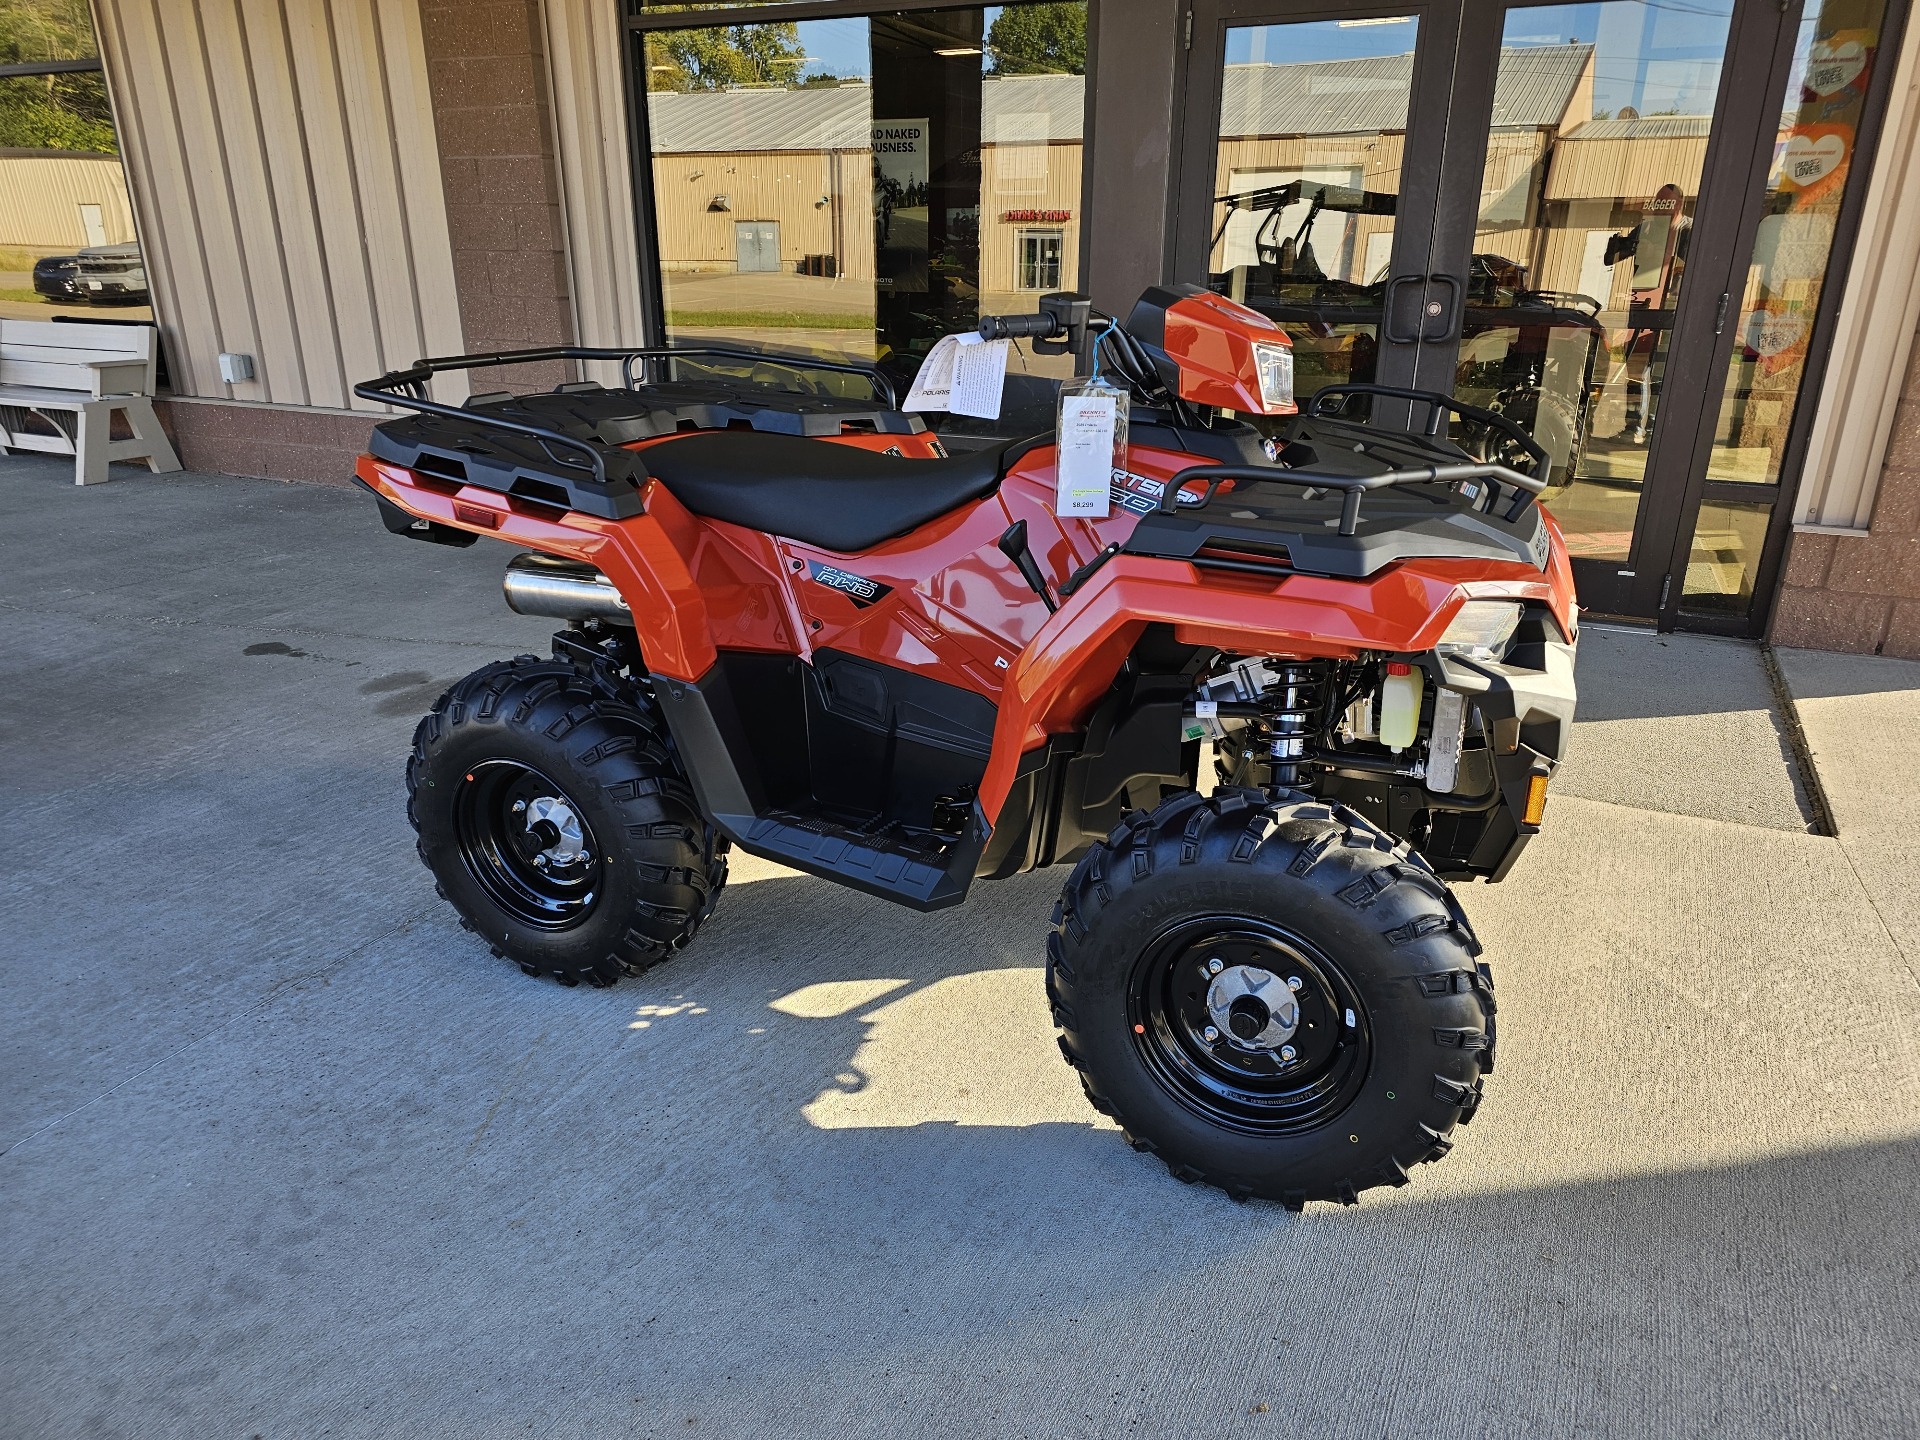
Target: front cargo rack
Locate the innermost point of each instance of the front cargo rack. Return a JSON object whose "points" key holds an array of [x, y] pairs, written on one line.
{"points": [[1471, 508], [513, 454]]}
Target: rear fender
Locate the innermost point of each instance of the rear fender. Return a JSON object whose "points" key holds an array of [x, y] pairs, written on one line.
{"points": [[1071, 662], [638, 554]]}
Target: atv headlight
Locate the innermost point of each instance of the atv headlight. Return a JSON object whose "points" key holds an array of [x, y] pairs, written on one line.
{"points": [[1274, 363], [1481, 629]]}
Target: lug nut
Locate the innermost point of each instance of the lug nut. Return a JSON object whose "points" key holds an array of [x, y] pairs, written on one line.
{"points": [[519, 807], [1294, 982], [1211, 1034], [540, 862], [1214, 967], [1287, 1052]]}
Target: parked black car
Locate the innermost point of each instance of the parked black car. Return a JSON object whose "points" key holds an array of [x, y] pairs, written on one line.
{"points": [[99, 275]]}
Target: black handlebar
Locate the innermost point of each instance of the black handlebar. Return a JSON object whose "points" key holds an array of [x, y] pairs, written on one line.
{"points": [[1021, 327]]}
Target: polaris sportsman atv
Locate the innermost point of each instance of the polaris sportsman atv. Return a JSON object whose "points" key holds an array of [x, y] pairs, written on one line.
{"points": [[798, 626]]}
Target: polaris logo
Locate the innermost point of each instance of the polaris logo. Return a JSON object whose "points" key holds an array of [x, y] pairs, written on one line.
{"points": [[857, 588]]}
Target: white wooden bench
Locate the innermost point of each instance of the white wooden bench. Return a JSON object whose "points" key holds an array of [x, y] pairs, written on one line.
{"points": [[73, 377]]}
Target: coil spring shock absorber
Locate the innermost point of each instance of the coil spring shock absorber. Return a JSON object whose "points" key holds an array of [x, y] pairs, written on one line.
{"points": [[1292, 713]]}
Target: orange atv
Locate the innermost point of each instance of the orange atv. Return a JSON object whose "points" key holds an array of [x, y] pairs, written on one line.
{"points": [[1296, 677]]}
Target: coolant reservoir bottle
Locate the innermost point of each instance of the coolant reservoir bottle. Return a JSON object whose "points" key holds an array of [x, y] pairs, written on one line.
{"points": [[1400, 705]]}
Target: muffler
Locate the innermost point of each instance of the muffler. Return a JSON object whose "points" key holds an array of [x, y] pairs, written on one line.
{"points": [[562, 589]]}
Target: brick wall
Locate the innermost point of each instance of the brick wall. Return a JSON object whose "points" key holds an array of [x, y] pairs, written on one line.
{"points": [[273, 441], [1861, 593], [486, 67]]}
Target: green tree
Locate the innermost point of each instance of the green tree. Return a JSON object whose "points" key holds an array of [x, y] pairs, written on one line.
{"points": [[1039, 40], [718, 58], [51, 112]]}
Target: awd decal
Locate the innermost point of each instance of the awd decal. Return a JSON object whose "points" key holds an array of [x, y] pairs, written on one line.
{"points": [[857, 588]]}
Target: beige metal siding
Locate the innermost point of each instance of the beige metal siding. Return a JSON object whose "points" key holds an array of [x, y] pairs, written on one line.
{"points": [[1027, 177], [41, 196], [1610, 167], [794, 188], [585, 46], [284, 170], [1873, 340]]}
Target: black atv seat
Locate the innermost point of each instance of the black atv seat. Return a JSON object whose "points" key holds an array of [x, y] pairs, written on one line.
{"points": [[839, 497]]}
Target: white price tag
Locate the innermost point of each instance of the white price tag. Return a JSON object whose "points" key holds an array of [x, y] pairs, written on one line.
{"points": [[1085, 463]]}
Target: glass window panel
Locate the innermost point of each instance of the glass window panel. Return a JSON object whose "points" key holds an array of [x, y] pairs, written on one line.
{"points": [[33, 30], [1313, 120], [67, 244], [1601, 119], [862, 186], [1779, 293], [1727, 541]]}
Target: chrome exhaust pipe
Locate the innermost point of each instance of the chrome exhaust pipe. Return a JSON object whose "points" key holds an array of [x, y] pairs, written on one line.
{"points": [[562, 589]]}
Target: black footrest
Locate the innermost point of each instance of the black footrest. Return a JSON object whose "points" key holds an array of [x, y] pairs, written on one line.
{"points": [[913, 869]]}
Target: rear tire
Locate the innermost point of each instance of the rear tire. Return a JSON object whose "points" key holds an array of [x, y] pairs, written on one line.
{"points": [[1275, 997], [553, 811]]}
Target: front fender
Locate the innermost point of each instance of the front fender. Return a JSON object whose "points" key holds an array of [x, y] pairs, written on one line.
{"points": [[1073, 658]]}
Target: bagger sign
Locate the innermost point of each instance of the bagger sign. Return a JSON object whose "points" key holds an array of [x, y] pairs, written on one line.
{"points": [[1035, 217]]}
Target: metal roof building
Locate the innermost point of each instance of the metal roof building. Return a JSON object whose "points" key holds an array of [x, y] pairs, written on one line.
{"points": [[1309, 97]]}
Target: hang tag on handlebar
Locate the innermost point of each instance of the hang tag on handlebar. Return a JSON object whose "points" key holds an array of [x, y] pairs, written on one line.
{"points": [[979, 377], [933, 384], [1092, 444], [962, 374]]}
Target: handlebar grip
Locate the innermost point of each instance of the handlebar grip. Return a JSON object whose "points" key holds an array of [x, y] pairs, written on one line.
{"points": [[1016, 327]]}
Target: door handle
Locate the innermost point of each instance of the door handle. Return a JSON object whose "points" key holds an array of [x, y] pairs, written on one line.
{"points": [[1438, 319], [1394, 334]]}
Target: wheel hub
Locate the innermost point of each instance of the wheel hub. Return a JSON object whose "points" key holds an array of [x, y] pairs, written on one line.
{"points": [[555, 830], [1252, 1008]]}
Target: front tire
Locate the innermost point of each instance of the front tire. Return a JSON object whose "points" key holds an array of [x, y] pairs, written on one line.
{"points": [[556, 818], [1274, 996]]}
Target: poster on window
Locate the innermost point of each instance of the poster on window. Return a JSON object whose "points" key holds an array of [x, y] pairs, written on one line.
{"points": [[900, 203]]}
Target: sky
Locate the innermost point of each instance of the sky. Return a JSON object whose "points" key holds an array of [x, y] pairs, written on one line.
{"points": [[839, 47]]}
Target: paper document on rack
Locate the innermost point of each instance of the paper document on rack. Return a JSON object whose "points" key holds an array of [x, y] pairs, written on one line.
{"points": [[979, 376], [1085, 464]]}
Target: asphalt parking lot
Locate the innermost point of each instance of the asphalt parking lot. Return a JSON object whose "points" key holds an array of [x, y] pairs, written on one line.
{"points": [[284, 1152]]}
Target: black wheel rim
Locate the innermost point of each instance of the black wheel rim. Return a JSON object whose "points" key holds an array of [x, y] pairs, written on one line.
{"points": [[527, 845], [1282, 1057]]}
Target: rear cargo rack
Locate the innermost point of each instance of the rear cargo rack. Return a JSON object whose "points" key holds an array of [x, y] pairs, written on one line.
{"points": [[583, 475]]}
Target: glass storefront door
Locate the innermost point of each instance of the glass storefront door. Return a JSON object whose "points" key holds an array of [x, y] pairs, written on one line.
{"points": [[1601, 233], [1766, 346], [1580, 257], [1319, 144]]}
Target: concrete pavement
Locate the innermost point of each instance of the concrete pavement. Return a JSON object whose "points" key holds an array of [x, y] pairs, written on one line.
{"points": [[287, 1154]]}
